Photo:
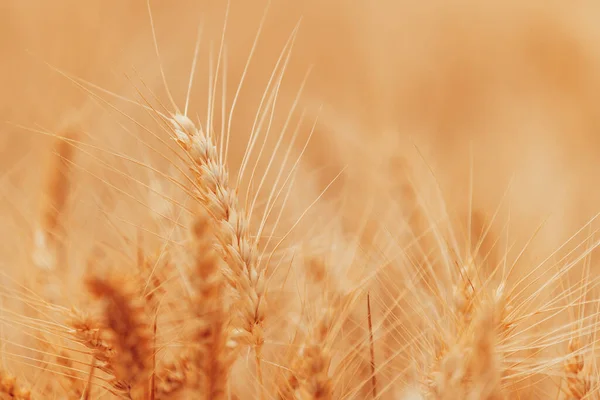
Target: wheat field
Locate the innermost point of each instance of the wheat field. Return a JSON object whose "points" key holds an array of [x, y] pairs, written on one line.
{"points": [[309, 199]]}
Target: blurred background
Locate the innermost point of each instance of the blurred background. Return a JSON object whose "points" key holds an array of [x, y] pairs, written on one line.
{"points": [[503, 94]]}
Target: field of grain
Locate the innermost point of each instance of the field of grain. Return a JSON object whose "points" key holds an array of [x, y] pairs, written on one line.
{"points": [[309, 199]]}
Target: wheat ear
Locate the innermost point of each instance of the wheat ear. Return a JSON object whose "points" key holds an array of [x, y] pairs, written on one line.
{"points": [[215, 351], [49, 236], [243, 273], [125, 319]]}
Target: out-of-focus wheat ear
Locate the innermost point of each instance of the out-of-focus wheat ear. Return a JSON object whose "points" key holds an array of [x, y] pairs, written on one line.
{"points": [[76, 386], [447, 380], [312, 376], [308, 371], [473, 283], [316, 379], [216, 348], [314, 358], [317, 383], [287, 383], [11, 389], [466, 361], [326, 286], [131, 334], [238, 249], [89, 333], [49, 236], [578, 383], [73, 384], [173, 377], [484, 365]]}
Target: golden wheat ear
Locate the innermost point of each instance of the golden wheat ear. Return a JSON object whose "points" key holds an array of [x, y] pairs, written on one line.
{"points": [[215, 345]]}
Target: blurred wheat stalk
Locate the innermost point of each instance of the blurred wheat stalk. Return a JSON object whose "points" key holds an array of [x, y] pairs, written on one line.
{"points": [[223, 229]]}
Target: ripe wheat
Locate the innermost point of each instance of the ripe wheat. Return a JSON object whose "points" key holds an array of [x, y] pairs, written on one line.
{"points": [[206, 258]]}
